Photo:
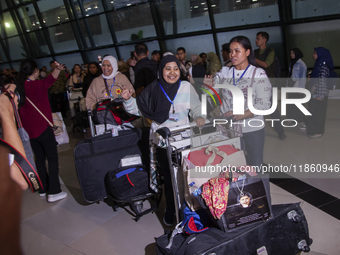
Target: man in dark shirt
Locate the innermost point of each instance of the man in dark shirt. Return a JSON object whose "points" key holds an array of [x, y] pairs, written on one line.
{"points": [[145, 69], [185, 64], [225, 55], [265, 58]]}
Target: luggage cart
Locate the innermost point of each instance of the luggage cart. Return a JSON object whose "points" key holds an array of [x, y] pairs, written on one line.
{"points": [[96, 156], [179, 141]]}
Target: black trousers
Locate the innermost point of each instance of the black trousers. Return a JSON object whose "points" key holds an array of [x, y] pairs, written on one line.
{"points": [[59, 103], [45, 147], [292, 111], [316, 123]]}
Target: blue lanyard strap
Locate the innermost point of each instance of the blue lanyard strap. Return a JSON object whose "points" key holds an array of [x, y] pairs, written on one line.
{"points": [[234, 83], [167, 94], [107, 86]]}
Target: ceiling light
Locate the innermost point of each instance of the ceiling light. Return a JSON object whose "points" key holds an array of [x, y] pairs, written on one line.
{"points": [[7, 24]]}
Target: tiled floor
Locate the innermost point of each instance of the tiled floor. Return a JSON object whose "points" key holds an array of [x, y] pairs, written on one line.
{"points": [[72, 227]]}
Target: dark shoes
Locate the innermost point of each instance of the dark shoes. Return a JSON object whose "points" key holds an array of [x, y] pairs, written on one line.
{"points": [[282, 136]]}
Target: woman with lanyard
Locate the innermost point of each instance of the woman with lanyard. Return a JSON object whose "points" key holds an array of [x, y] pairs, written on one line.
{"points": [[167, 101], [108, 85], [243, 74]]}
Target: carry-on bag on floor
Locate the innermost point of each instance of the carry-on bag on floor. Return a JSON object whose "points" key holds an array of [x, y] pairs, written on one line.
{"points": [[286, 233]]}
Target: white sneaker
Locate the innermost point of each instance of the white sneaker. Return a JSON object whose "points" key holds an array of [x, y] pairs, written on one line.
{"points": [[302, 126], [56, 197], [42, 194]]}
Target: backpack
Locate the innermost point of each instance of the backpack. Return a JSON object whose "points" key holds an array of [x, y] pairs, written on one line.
{"points": [[275, 66]]}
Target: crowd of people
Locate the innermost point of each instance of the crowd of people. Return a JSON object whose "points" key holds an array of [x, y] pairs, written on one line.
{"points": [[163, 89]]}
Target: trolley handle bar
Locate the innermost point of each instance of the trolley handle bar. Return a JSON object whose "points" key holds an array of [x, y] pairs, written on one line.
{"points": [[164, 132]]}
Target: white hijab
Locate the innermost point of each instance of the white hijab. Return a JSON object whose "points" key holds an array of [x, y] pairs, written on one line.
{"points": [[114, 64]]}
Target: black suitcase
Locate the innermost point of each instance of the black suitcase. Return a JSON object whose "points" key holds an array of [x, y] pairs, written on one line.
{"points": [[286, 233], [96, 156]]}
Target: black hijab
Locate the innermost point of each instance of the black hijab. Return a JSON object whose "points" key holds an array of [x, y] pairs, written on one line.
{"points": [[152, 102], [298, 55]]}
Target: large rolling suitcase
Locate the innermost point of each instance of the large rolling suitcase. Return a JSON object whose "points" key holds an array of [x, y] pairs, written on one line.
{"points": [[286, 233], [96, 156]]}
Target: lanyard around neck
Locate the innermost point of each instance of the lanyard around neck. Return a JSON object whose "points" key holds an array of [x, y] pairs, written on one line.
{"points": [[107, 86], [234, 83], [169, 99]]}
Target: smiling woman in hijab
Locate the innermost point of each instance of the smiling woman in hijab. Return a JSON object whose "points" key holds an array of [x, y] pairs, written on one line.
{"points": [[108, 85], [167, 101], [318, 104]]}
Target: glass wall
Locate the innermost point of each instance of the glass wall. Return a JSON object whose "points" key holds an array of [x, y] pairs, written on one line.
{"points": [[133, 23], [314, 8], [53, 12], [180, 16], [8, 27], [240, 12], [194, 45], [76, 31]]}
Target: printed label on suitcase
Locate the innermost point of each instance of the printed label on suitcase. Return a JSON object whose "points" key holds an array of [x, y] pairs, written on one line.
{"points": [[262, 251], [246, 203]]}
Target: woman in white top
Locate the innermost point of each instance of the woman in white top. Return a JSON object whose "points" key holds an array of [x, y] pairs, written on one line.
{"points": [[297, 79], [243, 74]]}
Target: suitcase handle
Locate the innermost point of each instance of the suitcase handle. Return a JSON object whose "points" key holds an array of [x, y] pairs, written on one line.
{"points": [[164, 132]]}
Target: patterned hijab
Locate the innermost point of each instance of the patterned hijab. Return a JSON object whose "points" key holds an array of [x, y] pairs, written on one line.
{"points": [[324, 57]]}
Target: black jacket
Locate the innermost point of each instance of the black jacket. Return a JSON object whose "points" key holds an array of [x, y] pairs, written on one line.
{"points": [[145, 72]]}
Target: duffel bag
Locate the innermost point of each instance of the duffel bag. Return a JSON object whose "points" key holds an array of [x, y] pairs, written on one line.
{"points": [[126, 182]]}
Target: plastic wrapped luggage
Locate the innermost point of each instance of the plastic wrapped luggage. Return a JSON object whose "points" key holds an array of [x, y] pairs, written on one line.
{"points": [[286, 233]]}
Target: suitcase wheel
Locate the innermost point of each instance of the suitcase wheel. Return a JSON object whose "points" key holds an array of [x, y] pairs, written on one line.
{"points": [[303, 246], [139, 206]]}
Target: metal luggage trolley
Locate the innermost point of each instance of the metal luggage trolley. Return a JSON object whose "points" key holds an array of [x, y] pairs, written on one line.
{"points": [[180, 141], [95, 157]]}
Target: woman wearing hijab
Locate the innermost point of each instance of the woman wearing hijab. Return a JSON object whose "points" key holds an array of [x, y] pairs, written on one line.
{"points": [[297, 79], [108, 85], [167, 101], [318, 104]]}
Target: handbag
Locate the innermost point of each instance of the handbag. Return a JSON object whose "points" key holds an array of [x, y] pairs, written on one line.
{"points": [[63, 137], [112, 112], [57, 125], [124, 183]]}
